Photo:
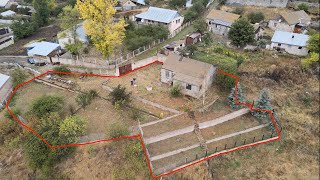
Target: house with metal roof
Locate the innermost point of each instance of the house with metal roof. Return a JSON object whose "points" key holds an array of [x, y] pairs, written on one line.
{"points": [[219, 22], [5, 3], [6, 37], [296, 22], [43, 50], [5, 88], [67, 36], [8, 13], [194, 77], [292, 43], [169, 18]]}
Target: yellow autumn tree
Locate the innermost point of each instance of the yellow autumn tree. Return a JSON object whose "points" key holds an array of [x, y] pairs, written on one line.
{"points": [[106, 33]]}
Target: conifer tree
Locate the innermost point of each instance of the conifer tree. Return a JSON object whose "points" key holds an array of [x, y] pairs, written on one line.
{"points": [[276, 119], [263, 103], [232, 97]]}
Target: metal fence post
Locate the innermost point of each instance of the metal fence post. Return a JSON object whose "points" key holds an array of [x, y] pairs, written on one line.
{"points": [[262, 136], [244, 142], [216, 148], [235, 143], [254, 139], [186, 160], [225, 147]]}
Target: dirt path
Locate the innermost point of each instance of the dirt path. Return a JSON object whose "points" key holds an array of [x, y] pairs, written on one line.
{"points": [[210, 141], [201, 126], [161, 120]]}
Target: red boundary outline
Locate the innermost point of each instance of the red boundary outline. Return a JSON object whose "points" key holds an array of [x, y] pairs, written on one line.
{"points": [[139, 135]]}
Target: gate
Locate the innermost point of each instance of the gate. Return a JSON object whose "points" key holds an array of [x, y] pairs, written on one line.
{"points": [[124, 69]]}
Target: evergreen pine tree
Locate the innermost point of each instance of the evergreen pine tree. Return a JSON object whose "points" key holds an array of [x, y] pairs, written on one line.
{"points": [[276, 119], [232, 97], [263, 103]]}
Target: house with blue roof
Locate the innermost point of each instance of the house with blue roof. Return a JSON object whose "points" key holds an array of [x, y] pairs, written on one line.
{"points": [[68, 36], [292, 43], [43, 50], [154, 15]]}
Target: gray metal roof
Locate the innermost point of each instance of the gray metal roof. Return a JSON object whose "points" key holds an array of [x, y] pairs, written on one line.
{"points": [[42, 48], [159, 15], [3, 3], [3, 79], [290, 38]]}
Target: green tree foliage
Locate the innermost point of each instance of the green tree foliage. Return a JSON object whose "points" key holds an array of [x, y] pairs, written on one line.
{"points": [[53, 129], [224, 81], [74, 48], [238, 10], [120, 96], [14, 111], [85, 98], [23, 29], [72, 127], [61, 69], [47, 104], [206, 38], [144, 35], [196, 10], [175, 91], [41, 17], [177, 3], [117, 130], [313, 44], [9, 128], [241, 32], [232, 97], [276, 119], [303, 6], [200, 26], [18, 76], [262, 103], [69, 17], [255, 17]]}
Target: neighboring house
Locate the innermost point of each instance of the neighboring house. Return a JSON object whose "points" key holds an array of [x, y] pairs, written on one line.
{"points": [[292, 43], [219, 22], [67, 36], [5, 3], [43, 50], [5, 89], [6, 37], [169, 18], [296, 22], [193, 38], [127, 5], [189, 3], [258, 31], [8, 13], [139, 2], [194, 77], [175, 45], [264, 3], [30, 12]]}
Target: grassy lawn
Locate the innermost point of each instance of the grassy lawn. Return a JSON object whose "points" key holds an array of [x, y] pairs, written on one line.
{"points": [[181, 35], [172, 144]]}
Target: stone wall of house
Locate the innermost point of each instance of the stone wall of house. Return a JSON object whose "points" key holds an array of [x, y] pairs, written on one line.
{"points": [[194, 92], [218, 29], [291, 49], [265, 3], [166, 76], [280, 26]]}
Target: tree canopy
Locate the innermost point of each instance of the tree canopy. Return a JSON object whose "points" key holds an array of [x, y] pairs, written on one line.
{"points": [[105, 31], [18, 76], [47, 104], [262, 103], [41, 16], [232, 97], [241, 32], [255, 17]]}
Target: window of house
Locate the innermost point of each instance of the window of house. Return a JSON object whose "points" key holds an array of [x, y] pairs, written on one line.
{"points": [[216, 25], [299, 47], [188, 86], [279, 44], [167, 74], [210, 22], [275, 24], [178, 21]]}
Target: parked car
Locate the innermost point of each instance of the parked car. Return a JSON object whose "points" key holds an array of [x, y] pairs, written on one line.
{"points": [[31, 61]]}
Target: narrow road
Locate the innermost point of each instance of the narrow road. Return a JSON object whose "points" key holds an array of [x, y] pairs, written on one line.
{"points": [[161, 156], [202, 125]]}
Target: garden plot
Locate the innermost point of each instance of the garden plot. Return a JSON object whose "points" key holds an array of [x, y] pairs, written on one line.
{"points": [[172, 144], [26, 94]]}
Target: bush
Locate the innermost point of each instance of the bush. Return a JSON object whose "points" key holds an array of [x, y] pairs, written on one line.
{"points": [[303, 6], [175, 91], [117, 130], [74, 49], [61, 69], [47, 104], [16, 112], [200, 26], [224, 81], [177, 3], [255, 17], [119, 96], [85, 98], [18, 76], [238, 10], [135, 114]]}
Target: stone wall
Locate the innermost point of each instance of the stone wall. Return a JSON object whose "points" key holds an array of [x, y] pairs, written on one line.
{"points": [[265, 3]]}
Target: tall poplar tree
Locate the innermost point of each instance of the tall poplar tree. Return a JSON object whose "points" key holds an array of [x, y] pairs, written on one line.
{"points": [[41, 17], [105, 31]]}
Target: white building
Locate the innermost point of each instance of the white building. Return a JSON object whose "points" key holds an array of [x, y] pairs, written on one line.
{"points": [[6, 37], [5, 89], [219, 22], [8, 13], [194, 77], [258, 31], [67, 36], [169, 18], [296, 22], [292, 43], [5, 3]]}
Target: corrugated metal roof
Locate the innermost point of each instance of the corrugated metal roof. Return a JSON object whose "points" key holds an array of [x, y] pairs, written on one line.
{"points": [[159, 15], [3, 79], [142, 2], [8, 13], [290, 38], [3, 3], [42, 48]]}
